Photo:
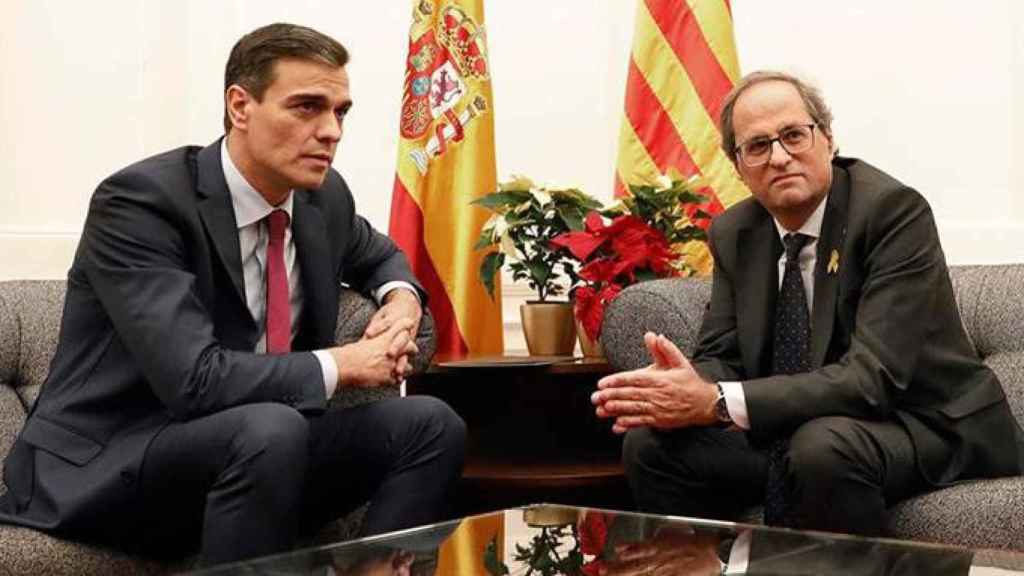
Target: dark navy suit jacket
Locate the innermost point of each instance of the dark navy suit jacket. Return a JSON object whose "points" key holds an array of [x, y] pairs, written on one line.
{"points": [[156, 329]]}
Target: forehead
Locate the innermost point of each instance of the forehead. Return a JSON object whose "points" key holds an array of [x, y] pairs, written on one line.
{"points": [[767, 106], [295, 76]]}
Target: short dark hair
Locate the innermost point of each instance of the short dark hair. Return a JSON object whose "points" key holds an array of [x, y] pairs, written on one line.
{"points": [[251, 63], [820, 113]]}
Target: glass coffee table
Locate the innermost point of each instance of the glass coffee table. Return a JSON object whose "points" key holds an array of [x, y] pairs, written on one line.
{"points": [[551, 539]]}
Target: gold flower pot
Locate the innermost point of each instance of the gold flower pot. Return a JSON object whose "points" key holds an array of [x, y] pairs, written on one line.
{"points": [[549, 328], [590, 348], [540, 515]]}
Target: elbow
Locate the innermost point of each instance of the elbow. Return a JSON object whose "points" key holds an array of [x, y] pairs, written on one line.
{"points": [[191, 395]]}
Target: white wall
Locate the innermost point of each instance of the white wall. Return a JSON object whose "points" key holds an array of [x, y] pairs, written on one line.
{"points": [[929, 90]]}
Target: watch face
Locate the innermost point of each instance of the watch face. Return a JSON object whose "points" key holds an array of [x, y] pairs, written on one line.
{"points": [[721, 410]]}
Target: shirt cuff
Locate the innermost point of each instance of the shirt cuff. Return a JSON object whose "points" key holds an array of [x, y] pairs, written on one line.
{"points": [[386, 287], [736, 403], [330, 371], [739, 556]]}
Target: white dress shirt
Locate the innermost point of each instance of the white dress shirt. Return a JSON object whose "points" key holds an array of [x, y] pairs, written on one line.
{"points": [[735, 400], [251, 209]]}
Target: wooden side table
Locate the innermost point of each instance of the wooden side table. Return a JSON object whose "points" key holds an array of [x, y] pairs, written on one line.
{"points": [[532, 433]]}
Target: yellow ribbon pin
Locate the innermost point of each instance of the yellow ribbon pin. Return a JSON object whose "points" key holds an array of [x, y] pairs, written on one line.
{"points": [[833, 262]]}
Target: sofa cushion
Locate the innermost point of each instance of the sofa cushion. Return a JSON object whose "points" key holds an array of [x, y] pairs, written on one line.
{"points": [[12, 417], [993, 321], [987, 515], [673, 307], [38, 305], [51, 555]]}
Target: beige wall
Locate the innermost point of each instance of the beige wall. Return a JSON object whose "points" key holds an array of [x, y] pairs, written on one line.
{"points": [[930, 90]]}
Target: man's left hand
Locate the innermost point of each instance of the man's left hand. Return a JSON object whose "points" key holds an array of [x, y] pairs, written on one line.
{"points": [[666, 394], [398, 303]]}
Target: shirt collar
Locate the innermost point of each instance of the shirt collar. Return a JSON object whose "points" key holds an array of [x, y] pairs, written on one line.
{"points": [[812, 227], [250, 206]]}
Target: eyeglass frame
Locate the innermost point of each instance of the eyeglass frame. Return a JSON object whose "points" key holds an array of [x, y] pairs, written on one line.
{"points": [[771, 145]]}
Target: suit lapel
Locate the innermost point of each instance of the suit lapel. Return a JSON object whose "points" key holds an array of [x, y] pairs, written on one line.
{"points": [[218, 215], [758, 283], [826, 281], [320, 300]]}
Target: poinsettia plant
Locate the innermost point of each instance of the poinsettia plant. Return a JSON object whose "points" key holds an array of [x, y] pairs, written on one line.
{"points": [[560, 550], [641, 237], [526, 217]]}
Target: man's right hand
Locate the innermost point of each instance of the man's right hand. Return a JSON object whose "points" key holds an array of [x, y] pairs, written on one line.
{"points": [[376, 361]]}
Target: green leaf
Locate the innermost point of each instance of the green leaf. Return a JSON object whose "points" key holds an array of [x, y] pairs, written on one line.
{"points": [[486, 239], [692, 198], [488, 268], [494, 566], [499, 199], [572, 217], [539, 272], [644, 274]]}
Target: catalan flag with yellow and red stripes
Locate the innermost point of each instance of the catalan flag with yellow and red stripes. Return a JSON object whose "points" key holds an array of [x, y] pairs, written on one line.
{"points": [[445, 160], [682, 65]]}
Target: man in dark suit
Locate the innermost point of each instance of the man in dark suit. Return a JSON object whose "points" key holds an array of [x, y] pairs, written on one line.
{"points": [[829, 381], [187, 404]]}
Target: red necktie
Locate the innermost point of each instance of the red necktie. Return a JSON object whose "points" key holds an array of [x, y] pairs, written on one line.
{"points": [[279, 311]]}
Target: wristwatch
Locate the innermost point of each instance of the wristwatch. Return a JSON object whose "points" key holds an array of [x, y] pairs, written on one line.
{"points": [[724, 551], [721, 409]]}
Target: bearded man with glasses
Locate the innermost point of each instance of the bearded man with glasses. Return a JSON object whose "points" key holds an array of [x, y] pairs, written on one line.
{"points": [[832, 377]]}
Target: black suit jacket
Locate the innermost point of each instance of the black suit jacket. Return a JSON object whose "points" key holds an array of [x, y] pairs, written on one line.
{"points": [[887, 341], [156, 329]]}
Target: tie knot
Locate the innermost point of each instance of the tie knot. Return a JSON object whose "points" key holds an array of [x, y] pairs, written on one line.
{"points": [[795, 242], [277, 222]]}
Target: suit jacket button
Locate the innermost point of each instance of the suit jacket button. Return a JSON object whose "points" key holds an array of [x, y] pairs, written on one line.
{"points": [[127, 477]]}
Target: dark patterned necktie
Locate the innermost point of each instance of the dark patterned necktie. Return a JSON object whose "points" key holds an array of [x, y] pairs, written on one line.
{"points": [[790, 355]]}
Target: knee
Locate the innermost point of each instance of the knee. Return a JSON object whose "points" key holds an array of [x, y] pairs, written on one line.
{"points": [[271, 436], [822, 450], [432, 419], [640, 451]]}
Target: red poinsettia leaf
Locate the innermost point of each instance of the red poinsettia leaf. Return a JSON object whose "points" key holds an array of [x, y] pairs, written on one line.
{"points": [[626, 267], [609, 293], [593, 222], [590, 311], [594, 568], [597, 271], [580, 244], [593, 533]]}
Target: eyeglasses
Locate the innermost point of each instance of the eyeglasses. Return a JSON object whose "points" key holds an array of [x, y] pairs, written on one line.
{"points": [[793, 139]]}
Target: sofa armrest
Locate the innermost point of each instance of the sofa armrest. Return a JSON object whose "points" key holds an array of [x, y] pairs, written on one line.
{"points": [[673, 307], [354, 313]]}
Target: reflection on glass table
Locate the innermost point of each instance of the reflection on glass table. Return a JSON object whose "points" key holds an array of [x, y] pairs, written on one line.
{"points": [[548, 540]]}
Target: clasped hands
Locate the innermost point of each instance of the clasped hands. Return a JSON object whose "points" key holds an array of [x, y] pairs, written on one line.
{"points": [[666, 394], [383, 355], [674, 549]]}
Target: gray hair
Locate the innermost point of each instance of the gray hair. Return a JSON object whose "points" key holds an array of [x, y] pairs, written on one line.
{"points": [[813, 102]]}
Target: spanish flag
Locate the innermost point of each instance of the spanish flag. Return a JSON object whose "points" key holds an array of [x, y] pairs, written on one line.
{"points": [[446, 160], [682, 65]]}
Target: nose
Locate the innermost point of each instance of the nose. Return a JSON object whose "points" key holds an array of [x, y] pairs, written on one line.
{"points": [[330, 128], [784, 156]]}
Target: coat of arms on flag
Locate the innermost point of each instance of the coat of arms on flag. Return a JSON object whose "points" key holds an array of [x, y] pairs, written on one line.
{"points": [[445, 161], [446, 63]]}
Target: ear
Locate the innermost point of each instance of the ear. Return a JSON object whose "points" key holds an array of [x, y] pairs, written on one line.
{"points": [[236, 102]]}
